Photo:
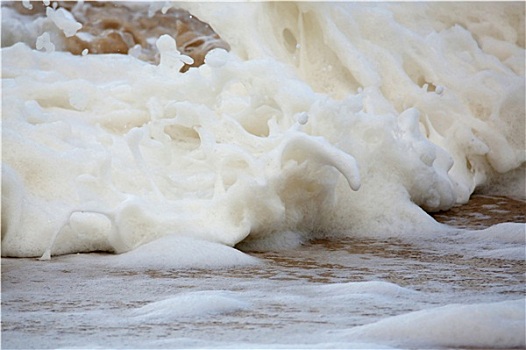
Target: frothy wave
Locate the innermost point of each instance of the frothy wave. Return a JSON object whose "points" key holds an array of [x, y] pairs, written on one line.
{"points": [[316, 123]]}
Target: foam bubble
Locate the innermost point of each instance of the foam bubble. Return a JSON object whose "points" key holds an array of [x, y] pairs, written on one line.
{"points": [[216, 58]]}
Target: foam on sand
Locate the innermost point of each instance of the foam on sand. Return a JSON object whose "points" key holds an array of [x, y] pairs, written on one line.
{"points": [[188, 305], [486, 325]]}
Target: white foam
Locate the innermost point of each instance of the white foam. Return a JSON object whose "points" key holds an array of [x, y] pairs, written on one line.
{"points": [[316, 123], [171, 58], [191, 304], [486, 325], [27, 4], [44, 42], [508, 232], [172, 252], [502, 241], [63, 20], [381, 288]]}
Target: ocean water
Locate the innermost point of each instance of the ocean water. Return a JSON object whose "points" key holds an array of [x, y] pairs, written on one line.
{"points": [[284, 194]]}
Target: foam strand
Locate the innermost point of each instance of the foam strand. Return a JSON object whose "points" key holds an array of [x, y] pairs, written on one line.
{"points": [[304, 146], [133, 139]]}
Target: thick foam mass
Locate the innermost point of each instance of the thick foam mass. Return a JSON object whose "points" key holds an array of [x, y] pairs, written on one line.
{"points": [[315, 122], [172, 252]]}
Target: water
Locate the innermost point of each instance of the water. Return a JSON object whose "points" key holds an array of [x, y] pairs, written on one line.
{"points": [[277, 196], [307, 297]]}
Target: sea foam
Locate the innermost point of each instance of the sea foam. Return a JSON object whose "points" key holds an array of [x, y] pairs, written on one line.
{"points": [[315, 123], [487, 325]]}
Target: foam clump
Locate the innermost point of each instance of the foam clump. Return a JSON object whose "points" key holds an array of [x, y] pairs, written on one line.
{"points": [[63, 20], [44, 42], [27, 4], [484, 325], [372, 287], [189, 305], [171, 58], [501, 241], [216, 58], [172, 252]]}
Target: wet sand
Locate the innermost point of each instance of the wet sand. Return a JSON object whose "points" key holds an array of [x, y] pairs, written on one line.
{"points": [[483, 211]]}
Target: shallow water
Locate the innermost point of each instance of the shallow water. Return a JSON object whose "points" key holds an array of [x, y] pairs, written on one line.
{"points": [[295, 298]]}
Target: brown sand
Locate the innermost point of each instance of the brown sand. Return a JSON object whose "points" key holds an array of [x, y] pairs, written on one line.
{"points": [[483, 211]]}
